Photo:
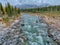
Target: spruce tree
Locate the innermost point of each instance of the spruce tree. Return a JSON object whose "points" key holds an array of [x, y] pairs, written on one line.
{"points": [[1, 8]]}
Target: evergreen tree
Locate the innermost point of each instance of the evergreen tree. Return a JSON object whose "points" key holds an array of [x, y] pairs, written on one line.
{"points": [[1, 8]]}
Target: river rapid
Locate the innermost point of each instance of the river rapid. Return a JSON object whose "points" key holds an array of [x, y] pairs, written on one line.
{"points": [[29, 30]]}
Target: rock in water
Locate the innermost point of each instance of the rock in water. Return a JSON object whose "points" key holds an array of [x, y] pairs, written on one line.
{"points": [[28, 33]]}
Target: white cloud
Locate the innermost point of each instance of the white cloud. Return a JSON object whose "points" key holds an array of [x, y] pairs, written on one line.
{"points": [[14, 2]]}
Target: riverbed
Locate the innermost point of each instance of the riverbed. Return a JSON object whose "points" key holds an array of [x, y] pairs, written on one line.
{"points": [[29, 30]]}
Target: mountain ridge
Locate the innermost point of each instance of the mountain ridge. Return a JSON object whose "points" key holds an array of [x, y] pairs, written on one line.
{"points": [[24, 6]]}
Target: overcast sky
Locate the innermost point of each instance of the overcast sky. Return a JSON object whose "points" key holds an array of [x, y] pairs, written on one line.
{"points": [[14, 2]]}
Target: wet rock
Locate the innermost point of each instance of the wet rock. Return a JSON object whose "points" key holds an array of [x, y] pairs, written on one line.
{"points": [[55, 35], [25, 38], [22, 24]]}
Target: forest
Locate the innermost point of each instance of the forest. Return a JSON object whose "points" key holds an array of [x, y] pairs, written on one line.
{"points": [[43, 9]]}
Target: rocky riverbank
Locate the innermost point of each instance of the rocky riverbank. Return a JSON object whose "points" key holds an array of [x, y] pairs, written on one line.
{"points": [[29, 30], [54, 29]]}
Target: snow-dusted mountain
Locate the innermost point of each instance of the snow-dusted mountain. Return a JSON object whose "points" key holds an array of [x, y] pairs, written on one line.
{"points": [[23, 6]]}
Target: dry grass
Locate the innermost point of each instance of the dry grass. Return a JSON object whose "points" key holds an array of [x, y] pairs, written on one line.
{"points": [[52, 14], [9, 20]]}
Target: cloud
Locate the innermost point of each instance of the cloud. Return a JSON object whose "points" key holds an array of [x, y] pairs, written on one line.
{"points": [[14, 2]]}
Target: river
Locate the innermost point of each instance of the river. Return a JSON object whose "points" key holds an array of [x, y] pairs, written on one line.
{"points": [[30, 30]]}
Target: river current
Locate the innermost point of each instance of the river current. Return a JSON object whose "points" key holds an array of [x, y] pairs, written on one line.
{"points": [[34, 32]]}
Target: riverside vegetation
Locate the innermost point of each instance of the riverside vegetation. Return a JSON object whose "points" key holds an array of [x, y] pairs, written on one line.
{"points": [[9, 13]]}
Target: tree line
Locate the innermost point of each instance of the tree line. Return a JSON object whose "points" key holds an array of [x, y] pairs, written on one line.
{"points": [[9, 10], [43, 9]]}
